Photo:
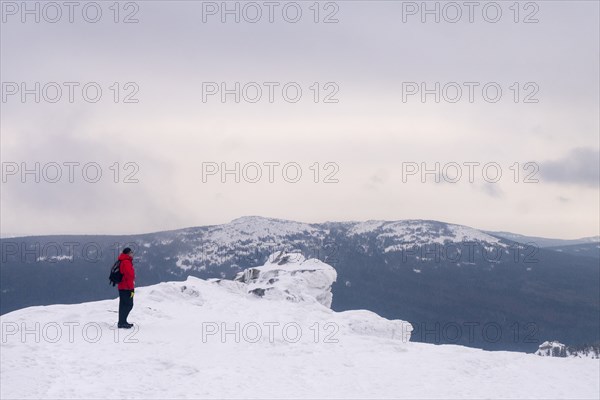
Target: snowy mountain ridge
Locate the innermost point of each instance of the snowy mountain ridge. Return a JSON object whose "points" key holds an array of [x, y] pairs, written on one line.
{"points": [[200, 339], [542, 241], [253, 234]]}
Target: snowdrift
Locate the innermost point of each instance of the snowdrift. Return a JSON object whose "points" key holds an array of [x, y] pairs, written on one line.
{"points": [[268, 334]]}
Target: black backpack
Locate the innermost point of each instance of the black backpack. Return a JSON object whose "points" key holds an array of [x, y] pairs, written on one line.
{"points": [[115, 273]]}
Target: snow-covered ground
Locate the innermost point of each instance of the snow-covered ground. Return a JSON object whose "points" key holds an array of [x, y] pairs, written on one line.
{"points": [[213, 339]]}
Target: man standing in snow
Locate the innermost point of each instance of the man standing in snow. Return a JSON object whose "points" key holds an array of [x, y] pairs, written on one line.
{"points": [[126, 287]]}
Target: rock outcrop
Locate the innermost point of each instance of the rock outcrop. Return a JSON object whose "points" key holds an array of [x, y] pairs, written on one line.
{"points": [[292, 277]]}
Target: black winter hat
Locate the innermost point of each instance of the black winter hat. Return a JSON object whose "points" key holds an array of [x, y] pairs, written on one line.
{"points": [[126, 250]]}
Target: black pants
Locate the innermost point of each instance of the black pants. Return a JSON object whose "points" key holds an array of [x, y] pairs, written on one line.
{"points": [[125, 305]]}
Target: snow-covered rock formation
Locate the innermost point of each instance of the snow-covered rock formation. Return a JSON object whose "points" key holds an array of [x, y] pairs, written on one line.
{"points": [[290, 276], [557, 349]]}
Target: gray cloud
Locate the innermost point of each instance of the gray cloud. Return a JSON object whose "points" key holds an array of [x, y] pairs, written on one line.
{"points": [[580, 166], [83, 204], [491, 189]]}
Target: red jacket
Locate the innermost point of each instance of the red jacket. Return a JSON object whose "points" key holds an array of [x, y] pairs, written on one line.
{"points": [[126, 268]]}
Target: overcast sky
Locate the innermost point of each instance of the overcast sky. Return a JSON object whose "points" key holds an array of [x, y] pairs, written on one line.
{"points": [[368, 61]]}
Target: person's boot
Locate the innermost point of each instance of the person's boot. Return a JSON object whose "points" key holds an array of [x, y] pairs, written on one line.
{"points": [[124, 326]]}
